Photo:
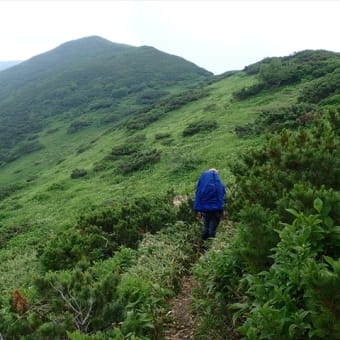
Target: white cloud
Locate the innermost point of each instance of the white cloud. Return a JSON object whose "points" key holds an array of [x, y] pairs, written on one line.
{"points": [[217, 35]]}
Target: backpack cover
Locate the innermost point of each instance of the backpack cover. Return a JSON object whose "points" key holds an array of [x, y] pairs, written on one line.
{"points": [[209, 192]]}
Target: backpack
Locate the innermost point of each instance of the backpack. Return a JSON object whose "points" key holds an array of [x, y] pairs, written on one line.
{"points": [[210, 192]]}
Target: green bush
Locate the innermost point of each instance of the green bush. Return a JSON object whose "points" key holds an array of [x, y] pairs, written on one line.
{"points": [[272, 120], [199, 126], [283, 300], [8, 190], [123, 296], [100, 233], [286, 207], [125, 149], [78, 125], [162, 135], [77, 173], [321, 88], [69, 247], [138, 161], [249, 91], [84, 299]]}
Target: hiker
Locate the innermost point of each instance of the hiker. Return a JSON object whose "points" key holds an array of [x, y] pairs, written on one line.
{"points": [[209, 201]]}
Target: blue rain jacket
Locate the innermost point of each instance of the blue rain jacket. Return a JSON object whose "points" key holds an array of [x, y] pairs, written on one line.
{"points": [[210, 192]]}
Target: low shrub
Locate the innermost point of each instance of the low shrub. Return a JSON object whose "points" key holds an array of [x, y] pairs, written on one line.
{"points": [[77, 173], [199, 127], [8, 190], [138, 161], [100, 233], [249, 91], [83, 299], [272, 120], [78, 125], [321, 88]]}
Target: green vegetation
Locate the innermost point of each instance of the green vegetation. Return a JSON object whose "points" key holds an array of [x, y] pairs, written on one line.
{"points": [[85, 82], [279, 276], [93, 245]]}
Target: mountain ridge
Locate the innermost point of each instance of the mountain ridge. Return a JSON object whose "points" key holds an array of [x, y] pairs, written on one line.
{"points": [[82, 74]]}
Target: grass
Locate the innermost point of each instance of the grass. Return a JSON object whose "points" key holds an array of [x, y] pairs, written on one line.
{"points": [[50, 200]]}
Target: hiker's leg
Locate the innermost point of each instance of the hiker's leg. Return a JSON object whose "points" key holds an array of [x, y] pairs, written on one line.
{"points": [[206, 222], [213, 223]]}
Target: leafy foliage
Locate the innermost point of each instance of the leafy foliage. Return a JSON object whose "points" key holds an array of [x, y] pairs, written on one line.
{"points": [[99, 234], [199, 126], [275, 272], [138, 161], [287, 208], [122, 296], [275, 72], [272, 120], [321, 88], [8, 190], [77, 173]]}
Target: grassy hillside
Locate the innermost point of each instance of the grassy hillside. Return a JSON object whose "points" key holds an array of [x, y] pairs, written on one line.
{"points": [[86, 82], [165, 147], [45, 197]]}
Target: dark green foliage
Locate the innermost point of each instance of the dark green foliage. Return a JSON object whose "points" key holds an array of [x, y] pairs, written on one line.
{"points": [[138, 161], [257, 235], [323, 287], [83, 299], [142, 121], [149, 97], [21, 150], [77, 173], [120, 297], [8, 190], [321, 88], [305, 65], [98, 234], [162, 135], [176, 101], [280, 269], [279, 72], [83, 148], [125, 149], [67, 248], [7, 232], [287, 159], [199, 127], [248, 91], [78, 125], [308, 64], [284, 303], [272, 120]]}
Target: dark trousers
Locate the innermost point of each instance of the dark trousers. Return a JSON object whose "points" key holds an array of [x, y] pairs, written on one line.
{"points": [[211, 220]]}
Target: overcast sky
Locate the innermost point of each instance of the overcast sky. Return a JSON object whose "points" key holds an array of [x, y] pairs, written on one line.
{"points": [[216, 35]]}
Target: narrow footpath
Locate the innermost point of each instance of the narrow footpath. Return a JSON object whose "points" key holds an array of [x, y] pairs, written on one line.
{"points": [[182, 326]]}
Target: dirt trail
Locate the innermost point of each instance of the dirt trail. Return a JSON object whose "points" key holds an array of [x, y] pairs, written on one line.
{"points": [[182, 326]]}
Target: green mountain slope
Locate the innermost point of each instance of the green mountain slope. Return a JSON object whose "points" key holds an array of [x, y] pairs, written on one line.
{"points": [[163, 146], [84, 82]]}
